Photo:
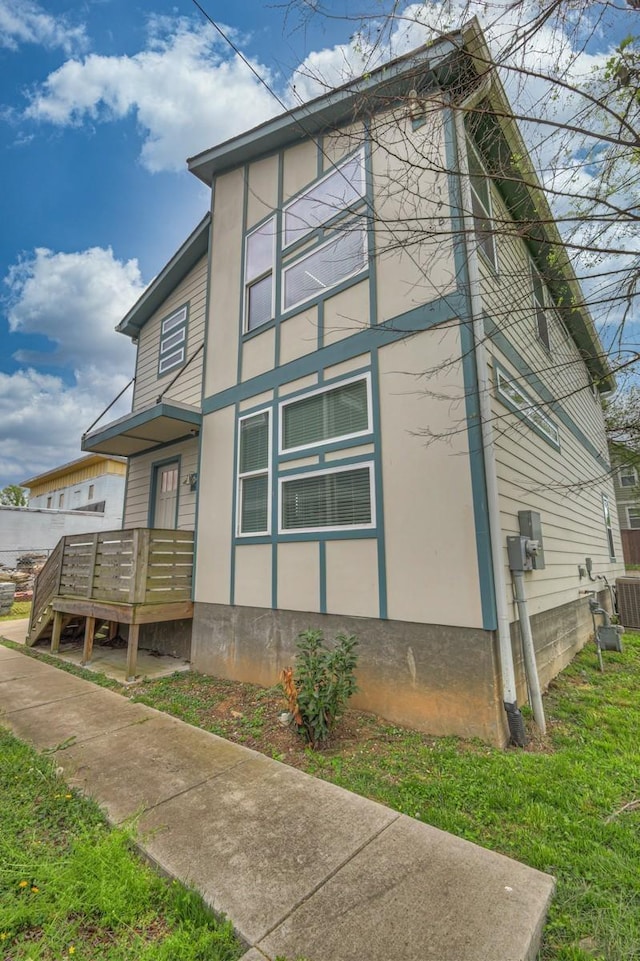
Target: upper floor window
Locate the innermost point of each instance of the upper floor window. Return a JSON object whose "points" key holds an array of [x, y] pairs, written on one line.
{"points": [[540, 307], [509, 392], [481, 206], [337, 191], [92, 491], [258, 275], [173, 340], [61, 500], [608, 526], [325, 266], [340, 412], [49, 501], [628, 476]]}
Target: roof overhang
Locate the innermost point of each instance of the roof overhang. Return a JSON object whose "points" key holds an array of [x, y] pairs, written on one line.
{"points": [[143, 430], [192, 250], [57, 472]]}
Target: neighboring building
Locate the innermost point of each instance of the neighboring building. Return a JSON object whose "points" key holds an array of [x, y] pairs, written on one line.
{"points": [[93, 483], [626, 482], [84, 495], [351, 415]]}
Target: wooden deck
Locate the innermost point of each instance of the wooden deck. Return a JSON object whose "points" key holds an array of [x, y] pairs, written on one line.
{"points": [[134, 577]]}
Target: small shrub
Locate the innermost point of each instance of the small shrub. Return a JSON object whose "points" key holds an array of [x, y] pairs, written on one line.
{"points": [[321, 683]]}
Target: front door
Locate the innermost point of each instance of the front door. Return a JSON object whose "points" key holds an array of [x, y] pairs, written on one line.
{"points": [[165, 506]]}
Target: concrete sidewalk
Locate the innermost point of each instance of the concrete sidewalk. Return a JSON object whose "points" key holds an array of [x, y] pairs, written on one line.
{"points": [[301, 867]]}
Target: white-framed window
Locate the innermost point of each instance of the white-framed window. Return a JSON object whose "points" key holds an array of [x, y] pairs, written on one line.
{"points": [[481, 206], [338, 498], [173, 340], [338, 190], [628, 476], [608, 527], [337, 412], [633, 518], [254, 475], [539, 304], [259, 258], [327, 265], [509, 392]]}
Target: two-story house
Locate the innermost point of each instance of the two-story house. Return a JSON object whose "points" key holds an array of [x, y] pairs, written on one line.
{"points": [[357, 377]]}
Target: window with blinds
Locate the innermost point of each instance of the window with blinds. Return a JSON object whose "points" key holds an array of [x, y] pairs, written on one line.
{"points": [[509, 392], [258, 275], [331, 414], [340, 189], [173, 341], [253, 474], [339, 498], [481, 207], [326, 266]]}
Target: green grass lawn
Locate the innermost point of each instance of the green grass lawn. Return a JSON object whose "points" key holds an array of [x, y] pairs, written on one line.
{"points": [[71, 888], [568, 805], [19, 609]]}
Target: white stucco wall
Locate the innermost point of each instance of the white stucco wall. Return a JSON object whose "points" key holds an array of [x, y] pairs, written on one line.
{"points": [[25, 529]]}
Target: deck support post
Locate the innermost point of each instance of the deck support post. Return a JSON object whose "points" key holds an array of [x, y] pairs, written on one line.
{"points": [[57, 631], [132, 651], [89, 631]]}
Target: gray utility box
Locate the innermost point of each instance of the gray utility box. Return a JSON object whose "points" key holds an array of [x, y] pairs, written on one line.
{"points": [[531, 528]]}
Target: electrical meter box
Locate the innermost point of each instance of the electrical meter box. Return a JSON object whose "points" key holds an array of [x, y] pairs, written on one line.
{"points": [[531, 528]]}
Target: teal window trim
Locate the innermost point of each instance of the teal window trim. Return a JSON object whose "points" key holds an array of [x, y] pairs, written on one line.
{"points": [[540, 307], [357, 225], [252, 280], [528, 411], [325, 472], [173, 340], [335, 170], [326, 388], [606, 511], [350, 461], [242, 476]]}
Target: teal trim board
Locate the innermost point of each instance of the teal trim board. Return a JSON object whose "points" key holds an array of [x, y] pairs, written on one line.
{"points": [[207, 325], [234, 508], [533, 381], [419, 318], [273, 426], [379, 493], [472, 403]]}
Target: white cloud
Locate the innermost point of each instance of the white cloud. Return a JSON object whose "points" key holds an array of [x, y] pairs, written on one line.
{"points": [[24, 21], [184, 91], [75, 300]]}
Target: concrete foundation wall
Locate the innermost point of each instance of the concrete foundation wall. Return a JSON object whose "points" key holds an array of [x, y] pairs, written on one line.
{"points": [[168, 637], [442, 680]]}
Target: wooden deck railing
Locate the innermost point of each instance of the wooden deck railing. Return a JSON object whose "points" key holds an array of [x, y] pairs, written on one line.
{"points": [[137, 566]]}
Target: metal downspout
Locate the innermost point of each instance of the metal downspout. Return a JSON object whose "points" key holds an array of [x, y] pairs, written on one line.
{"points": [[509, 697]]}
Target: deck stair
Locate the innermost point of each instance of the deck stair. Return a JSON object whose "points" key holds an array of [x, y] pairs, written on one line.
{"points": [[135, 576]]}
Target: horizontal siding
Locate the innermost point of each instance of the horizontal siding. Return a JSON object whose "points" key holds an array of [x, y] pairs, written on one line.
{"points": [[139, 485], [188, 385], [565, 486]]}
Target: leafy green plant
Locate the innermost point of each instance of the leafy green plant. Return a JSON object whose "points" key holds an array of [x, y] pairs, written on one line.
{"points": [[323, 681]]}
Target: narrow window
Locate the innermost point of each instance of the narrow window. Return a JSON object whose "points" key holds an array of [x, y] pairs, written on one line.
{"points": [[258, 275], [481, 206], [607, 524], [173, 341], [49, 501], [92, 491], [339, 499], [540, 308], [340, 189], [61, 500], [331, 414], [253, 474], [325, 267], [509, 392], [628, 476]]}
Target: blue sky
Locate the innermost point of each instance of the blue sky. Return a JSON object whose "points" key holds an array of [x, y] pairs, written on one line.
{"points": [[101, 101]]}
